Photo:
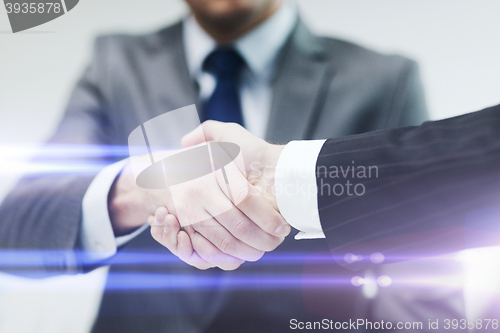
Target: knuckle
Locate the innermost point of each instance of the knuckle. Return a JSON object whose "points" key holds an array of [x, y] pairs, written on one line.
{"points": [[241, 194], [210, 256], [210, 127], [208, 124], [160, 211], [275, 221], [227, 245], [241, 229], [200, 227], [234, 126]]}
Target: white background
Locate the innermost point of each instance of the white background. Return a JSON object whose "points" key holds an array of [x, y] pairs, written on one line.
{"points": [[456, 42]]}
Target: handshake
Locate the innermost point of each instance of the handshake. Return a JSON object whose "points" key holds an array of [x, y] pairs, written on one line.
{"points": [[250, 223], [433, 187]]}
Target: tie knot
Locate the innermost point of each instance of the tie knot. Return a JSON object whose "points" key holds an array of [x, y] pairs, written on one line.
{"points": [[224, 63]]}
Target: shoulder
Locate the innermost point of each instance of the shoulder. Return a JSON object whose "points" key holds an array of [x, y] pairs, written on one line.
{"points": [[351, 60], [120, 61], [355, 58], [139, 44]]}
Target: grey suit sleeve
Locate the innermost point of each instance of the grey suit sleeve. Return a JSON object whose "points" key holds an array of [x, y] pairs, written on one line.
{"points": [[43, 212], [408, 107]]}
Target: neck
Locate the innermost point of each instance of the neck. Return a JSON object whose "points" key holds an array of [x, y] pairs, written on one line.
{"points": [[228, 30]]}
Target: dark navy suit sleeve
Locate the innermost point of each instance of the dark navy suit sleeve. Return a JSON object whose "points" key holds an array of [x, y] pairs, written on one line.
{"points": [[421, 190]]}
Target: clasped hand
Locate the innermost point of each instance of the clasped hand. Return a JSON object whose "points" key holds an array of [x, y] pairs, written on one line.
{"points": [[242, 232]]}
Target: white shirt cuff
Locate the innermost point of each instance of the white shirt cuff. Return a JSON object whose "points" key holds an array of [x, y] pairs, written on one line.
{"points": [[122, 240], [296, 189], [97, 236]]}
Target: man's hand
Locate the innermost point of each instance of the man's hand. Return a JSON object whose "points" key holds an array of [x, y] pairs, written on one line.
{"points": [[242, 233], [259, 156], [129, 205]]}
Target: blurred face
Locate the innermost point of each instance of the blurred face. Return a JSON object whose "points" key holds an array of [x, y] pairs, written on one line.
{"points": [[227, 19]]}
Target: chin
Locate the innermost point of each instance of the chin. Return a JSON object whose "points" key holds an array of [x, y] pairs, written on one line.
{"points": [[227, 11]]}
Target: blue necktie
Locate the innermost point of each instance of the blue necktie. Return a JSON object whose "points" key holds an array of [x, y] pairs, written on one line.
{"points": [[224, 104]]}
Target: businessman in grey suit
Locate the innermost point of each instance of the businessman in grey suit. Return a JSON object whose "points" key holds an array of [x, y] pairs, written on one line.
{"points": [[291, 84]]}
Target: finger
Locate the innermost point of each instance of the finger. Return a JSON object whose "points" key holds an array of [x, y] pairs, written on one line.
{"points": [[252, 203], [262, 213], [208, 252], [151, 219], [224, 240], [213, 231], [165, 232], [160, 214], [159, 217], [187, 254], [210, 130], [194, 137], [245, 230], [200, 134], [259, 233]]}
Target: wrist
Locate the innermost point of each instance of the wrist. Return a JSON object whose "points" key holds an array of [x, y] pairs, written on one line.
{"points": [[296, 188], [274, 156], [128, 205], [262, 174]]}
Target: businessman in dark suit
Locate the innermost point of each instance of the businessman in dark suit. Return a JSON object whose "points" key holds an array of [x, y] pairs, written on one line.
{"points": [[432, 189], [290, 85], [415, 192]]}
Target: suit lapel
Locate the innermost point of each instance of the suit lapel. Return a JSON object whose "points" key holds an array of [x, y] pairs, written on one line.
{"points": [[171, 86], [299, 87]]}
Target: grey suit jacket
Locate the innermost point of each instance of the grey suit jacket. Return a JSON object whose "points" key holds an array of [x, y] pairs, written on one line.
{"points": [[323, 88]]}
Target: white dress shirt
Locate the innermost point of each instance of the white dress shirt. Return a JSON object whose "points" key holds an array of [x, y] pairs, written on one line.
{"points": [[296, 189], [260, 49]]}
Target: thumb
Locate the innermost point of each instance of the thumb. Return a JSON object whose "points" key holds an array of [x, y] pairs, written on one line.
{"points": [[208, 131]]}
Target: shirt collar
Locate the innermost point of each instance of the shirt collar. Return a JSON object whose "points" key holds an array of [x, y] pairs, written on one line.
{"points": [[258, 47]]}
